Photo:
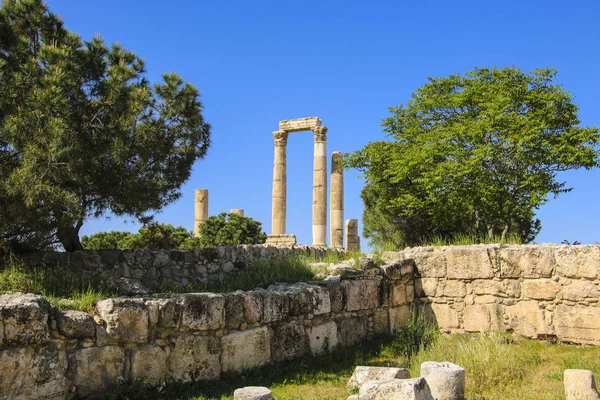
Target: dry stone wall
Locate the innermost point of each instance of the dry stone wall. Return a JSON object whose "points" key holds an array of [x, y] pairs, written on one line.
{"points": [[46, 353], [167, 268], [538, 291]]}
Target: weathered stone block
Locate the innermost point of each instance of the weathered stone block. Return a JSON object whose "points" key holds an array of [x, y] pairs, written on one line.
{"points": [[34, 372], [361, 294], [203, 311], [76, 324], [149, 363], [580, 385], [399, 297], [194, 358], [454, 288], [253, 393], [381, 321], [399, 269], [526, 318], [579, 291], [578, 261], [126, 319], [540, 289], [468, 262], [276, 306], [93, 369], [352, 330], [25, 319], [526, 261], [363, 374], [482, 318], [234, 309], [336, 296], [253, 305], [578, 324], [397, 317], [446, 380], [322, 338], [245, 350], [445, 316], [406, 389], [299, 124], [426, 287], [288, 341]]}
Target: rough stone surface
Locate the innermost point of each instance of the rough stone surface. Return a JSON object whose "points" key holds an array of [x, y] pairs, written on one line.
{"points": [[246, 349], [203, 311], [406, 389], [363, 374], [252, 393], [360, 294], [527, 319], [580, 385], [464, 263], [149, 363], [288, 341], [446, 380], [352, 331], [322, 338], [194, 358], [126, 319], [25, 319], [94, 369], [540, 289], [76, 325]]}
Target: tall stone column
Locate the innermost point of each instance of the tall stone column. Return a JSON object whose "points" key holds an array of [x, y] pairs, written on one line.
{"points": [[319, 216], [278, 212], [237, 211], [336, 201], [200, 209], [352, 238]]}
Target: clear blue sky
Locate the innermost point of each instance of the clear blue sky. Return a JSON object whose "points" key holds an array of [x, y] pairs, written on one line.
{"points": [[258, 62]]}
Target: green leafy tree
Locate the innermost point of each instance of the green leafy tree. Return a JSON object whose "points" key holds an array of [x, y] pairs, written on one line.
{"points": [[106, 240], [83, 132], [472, 154], [157, 236], [228, 229]]}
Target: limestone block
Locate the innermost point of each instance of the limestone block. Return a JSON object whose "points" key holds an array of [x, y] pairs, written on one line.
{"points": [[526, 261], [445, 316], [446, 380], [454, 288], [399, 294], [426, 287], [431, 264], [276, 306], [194, 358], [126, 319], [399, 269], [25, 319], [540, 289], [322, 338], [352, 331], [487, 287], [288, 340], [95, 368], [253, 305], [234, 309], [149, 363], [579, 291], [168, 312], [578, 261], [281, 240], [320, 298], [363, 374], [34, 372], [299, 124], [361, 294], [76, 325], [253, 393], [203, 311], [390, 389], [398, 316], [577, 324], [580, 385], [482, 318], [381, 321], [246, 349], [336, 296], [468, 262], [526, 318]]}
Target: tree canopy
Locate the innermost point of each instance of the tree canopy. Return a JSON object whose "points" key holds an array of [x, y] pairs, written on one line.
{"points": [[227, 229], [474, 154], [83, 132]]}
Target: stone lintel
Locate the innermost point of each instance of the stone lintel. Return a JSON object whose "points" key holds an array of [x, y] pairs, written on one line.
{"points": [[286, 240], [299, 124]]}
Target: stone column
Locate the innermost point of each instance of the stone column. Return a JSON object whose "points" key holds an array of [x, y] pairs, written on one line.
{"points": [[200, 209], [278, 212], [237, 211], [319, 215], [336, 201], [352, 238]]}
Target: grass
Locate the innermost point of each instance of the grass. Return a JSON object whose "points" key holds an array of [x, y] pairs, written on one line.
{"points": [[458, 240]]}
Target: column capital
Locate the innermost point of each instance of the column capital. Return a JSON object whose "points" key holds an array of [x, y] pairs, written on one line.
{"points": [[320, 133], [280, 138]]}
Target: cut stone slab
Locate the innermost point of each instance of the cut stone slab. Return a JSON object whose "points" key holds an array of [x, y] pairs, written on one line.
{"points": [[363, 374], [126, 319], [194, 358], [580, 385], [446, 380], [393, 389], [253, 393], [25, 319], [76, 324], [322, 338], [246, 349]]}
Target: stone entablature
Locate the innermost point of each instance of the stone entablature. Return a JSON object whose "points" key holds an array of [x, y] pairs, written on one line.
{"points": [[168, 268], [191, 337], [537, 291]]}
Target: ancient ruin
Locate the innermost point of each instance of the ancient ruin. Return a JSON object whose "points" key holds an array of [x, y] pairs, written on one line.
{"points": [[200, 209], [336, 211], [352, 238], [279, 211]]}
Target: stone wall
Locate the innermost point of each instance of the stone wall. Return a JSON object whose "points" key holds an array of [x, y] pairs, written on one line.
{"points": [[45, 353], [538, 291], [197, 267]]}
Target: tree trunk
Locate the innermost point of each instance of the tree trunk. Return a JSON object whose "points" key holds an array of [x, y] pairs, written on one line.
{"points": [[504, 233], [68, 236]]}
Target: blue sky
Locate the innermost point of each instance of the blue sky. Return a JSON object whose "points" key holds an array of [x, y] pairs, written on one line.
{"points": [[346, 62]]}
